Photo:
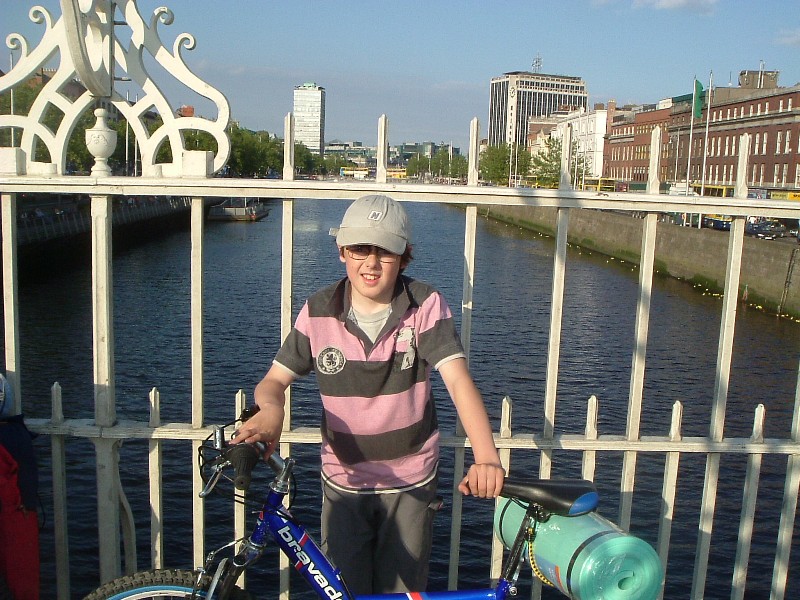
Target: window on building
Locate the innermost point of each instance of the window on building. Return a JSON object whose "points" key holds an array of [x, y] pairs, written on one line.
{"points": [[780, 106], [789, 104], [785, 174], [751, 110], [787, 147], [755, 146], [775, 174], [797, 175], [727, 142], [764, 145], [766, 108], [778, 142]]}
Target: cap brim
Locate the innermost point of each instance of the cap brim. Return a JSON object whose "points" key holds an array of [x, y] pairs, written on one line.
{"points": [[350, 236]]}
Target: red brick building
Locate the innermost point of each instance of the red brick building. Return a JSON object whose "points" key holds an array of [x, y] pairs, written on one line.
{"points": [[770, 116]]}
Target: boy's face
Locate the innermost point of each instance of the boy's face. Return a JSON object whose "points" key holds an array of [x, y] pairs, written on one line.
{"points": [[372, 272]]}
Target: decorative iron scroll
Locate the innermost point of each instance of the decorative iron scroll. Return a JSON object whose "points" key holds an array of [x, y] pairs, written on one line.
{"points": [[88, 48]]}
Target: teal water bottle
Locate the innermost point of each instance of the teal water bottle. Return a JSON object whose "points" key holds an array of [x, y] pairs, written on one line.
{"points": [[586, 557]]}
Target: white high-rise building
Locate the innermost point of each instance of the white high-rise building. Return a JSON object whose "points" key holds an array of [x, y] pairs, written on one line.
{"points": [[309, 116], [515, 97]]}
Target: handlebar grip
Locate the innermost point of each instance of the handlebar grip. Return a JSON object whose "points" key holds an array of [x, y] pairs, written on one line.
{"points": [[243, 457]]}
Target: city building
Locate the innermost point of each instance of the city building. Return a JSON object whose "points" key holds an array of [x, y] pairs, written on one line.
{"points": [[309, 116], [627, 148], [399, 155], [588, 131], [758, 107], [517, 96]]}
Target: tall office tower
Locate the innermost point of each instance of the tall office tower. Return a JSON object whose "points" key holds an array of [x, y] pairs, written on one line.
{"points": [[516, 96], [309, 116]]}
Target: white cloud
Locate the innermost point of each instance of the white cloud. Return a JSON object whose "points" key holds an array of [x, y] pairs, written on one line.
{"points": [[789, 37], [701, 6]]}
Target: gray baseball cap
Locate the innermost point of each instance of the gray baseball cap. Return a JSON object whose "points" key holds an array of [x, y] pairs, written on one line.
{"points": [[375, 220]]}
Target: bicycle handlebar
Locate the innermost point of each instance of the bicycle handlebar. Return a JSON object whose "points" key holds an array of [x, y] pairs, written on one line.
{"points": [[243, 458]]}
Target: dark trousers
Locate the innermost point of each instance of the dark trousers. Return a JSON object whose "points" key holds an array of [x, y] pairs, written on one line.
{"points": [[381, 542]]}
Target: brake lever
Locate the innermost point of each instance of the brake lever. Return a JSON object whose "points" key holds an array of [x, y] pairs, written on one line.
{"points": [[212, 481]]}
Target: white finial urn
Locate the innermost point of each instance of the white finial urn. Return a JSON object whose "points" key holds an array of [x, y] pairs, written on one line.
{"points": [[101, 141]]}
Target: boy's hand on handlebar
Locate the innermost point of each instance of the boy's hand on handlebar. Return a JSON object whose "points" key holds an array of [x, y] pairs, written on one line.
{"points": [[264, 426], [483, 480]]}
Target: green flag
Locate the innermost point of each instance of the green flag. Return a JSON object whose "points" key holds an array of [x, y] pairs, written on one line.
{"points": [[698, 100]]}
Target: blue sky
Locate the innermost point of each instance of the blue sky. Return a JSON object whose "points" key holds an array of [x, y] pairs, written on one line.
{"points": [[427, 64]]}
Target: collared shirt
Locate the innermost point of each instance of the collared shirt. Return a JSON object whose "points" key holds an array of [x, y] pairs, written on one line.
{"points": [[379, 426]]}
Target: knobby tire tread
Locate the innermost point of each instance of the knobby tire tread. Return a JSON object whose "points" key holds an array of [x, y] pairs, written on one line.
{"points": [[155, 578]]}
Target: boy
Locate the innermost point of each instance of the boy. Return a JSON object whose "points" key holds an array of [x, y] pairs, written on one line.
{"points": [[372, 339]]}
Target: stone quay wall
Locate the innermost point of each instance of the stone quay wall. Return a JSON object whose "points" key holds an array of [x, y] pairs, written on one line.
{"points": [[770, 275]]}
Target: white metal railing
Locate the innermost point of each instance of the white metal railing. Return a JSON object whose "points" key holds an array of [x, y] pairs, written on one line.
{"points": [[188, 175], [106, 430]]}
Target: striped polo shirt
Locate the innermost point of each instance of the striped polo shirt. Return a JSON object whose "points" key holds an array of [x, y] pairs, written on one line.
{"points": [[379, 427]]}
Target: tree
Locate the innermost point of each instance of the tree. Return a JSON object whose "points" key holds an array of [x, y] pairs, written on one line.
{"points": [[494, 164], [334, 163], [546, 165], [519, 165], [417, 165], [459, 167], [440, 163]]}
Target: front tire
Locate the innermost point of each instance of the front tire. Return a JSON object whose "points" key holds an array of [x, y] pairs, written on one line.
{"points": [[158, 583]]}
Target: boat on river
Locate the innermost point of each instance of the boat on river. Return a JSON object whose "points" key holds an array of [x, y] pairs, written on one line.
{"points": [[239, 209]]}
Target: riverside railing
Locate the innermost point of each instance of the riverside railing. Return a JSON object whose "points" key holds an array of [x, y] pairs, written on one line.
{"points": [[106, 431]]}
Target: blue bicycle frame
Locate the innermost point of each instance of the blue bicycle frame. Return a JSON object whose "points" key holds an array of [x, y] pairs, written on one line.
{"points": [[277, 522]]}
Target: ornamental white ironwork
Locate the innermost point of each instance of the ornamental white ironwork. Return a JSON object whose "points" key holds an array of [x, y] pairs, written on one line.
{"points": [[86, 43]]}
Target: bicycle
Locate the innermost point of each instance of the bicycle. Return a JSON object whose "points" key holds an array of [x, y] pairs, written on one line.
{"points": [[538, 500]]}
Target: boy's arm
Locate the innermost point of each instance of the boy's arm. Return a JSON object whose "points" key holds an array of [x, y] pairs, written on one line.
{"points": [[266, 425], [485, 477]]}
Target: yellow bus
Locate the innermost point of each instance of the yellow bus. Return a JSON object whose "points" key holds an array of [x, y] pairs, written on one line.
{"points": [[717, 191], [599, 184]]}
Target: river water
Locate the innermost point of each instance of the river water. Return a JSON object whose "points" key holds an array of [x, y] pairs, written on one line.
{"points": [[508, 357]]}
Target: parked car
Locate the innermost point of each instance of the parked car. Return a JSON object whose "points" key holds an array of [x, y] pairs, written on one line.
{"points": [[766, 230]]}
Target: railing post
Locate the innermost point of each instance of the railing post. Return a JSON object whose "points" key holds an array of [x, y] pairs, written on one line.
{"points": [[473, 174], [155, 460], [107, 450], [60, 522], [8, 217], [638, 360], [566, 156], [288, 147], [197, 368], [791, 489], [653, 175], [383, 149], [741, 167]]}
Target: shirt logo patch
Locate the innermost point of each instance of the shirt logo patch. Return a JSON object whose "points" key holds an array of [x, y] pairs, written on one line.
{"points": [[406, 344], [330, 361]]}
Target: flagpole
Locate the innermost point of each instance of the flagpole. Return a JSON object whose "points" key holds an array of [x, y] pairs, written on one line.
{"points": [[708, 118], [705, 142], [691, 131]]}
